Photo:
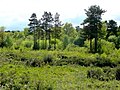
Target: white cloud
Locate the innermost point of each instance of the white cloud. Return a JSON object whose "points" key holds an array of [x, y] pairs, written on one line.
{"points": [[13, 11]]}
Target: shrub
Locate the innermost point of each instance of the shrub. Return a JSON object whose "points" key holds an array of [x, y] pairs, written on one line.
{"points": [[28, 44], [72, 47], [103, 74], [112, 38], [118, 73], [118, 42], [65, 41], [17, 44], [79, 41], [48, 58], [8, 41], [104, 61], [34, 62], [95, 73], [106, 47], [109, 73]]}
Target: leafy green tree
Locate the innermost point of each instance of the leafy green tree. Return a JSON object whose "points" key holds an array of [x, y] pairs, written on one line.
{"points": [[8, 41], [65, 41], [26, 32], [93, 23], [2, 36], [33, 25], [69, 30], [111, 28], [103, 32]]}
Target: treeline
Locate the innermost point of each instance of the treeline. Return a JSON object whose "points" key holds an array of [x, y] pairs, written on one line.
{"points": [[49, 33]]}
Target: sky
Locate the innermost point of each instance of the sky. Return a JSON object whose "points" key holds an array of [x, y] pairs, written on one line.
{"points": [[14, 14]]}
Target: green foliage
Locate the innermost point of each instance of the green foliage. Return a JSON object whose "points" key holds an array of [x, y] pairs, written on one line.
{"points": [[17, 44], [28, 44], [103, 32], [105, 46], [103, 61], [8, 42], [118, 73], [69, 30], [67, 64], [2, 36], [75, 48], [20, 77], [95, 73], [104, 74], [111, 28], [42, 70], [48, 59], [26, 32], [118, 42], [79, 41], [93, 21], [65, 41]]}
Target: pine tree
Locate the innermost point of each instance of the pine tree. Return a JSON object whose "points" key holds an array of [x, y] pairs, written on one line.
{"points": [[33, 28], [93, 23]]}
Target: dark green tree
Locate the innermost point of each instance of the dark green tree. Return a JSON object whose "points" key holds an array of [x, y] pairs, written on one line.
{"points": [[47, 21], [2, 36], [57, 28], [111, 28], [33, 28], [87, 33], [93, 23]]}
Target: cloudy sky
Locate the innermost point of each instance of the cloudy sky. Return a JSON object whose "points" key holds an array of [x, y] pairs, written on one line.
{"points": [[14, 14]]}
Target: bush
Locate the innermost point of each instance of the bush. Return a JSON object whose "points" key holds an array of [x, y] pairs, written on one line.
{"points": [[65, 41], [95, 73], [105, 47], [79, 41], [104, 61], [17, 44], [104, 74], [72, 47], [112, 38], [28, 44], [48, 59], [8, 41], [118, 73], [34, 62], [109, 73]]}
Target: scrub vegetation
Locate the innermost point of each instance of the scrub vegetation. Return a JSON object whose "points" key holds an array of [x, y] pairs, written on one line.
{"points": [[50, 55]]}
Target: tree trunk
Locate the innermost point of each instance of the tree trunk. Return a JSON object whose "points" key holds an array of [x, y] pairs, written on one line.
{"points": [[43, 40], [49, 41], [39, 38], [34, 40], [96, 43], [46, 40], [55, 39], [91, 45]]}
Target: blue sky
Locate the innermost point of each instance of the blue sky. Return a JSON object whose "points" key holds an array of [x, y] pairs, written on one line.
{"points": [[14, 14]]}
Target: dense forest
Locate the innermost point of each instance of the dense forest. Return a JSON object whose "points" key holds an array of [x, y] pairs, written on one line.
{"points": [[51, 55]]}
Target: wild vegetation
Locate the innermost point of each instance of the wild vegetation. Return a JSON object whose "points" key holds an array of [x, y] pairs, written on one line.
{"points": [[50, 55]]}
